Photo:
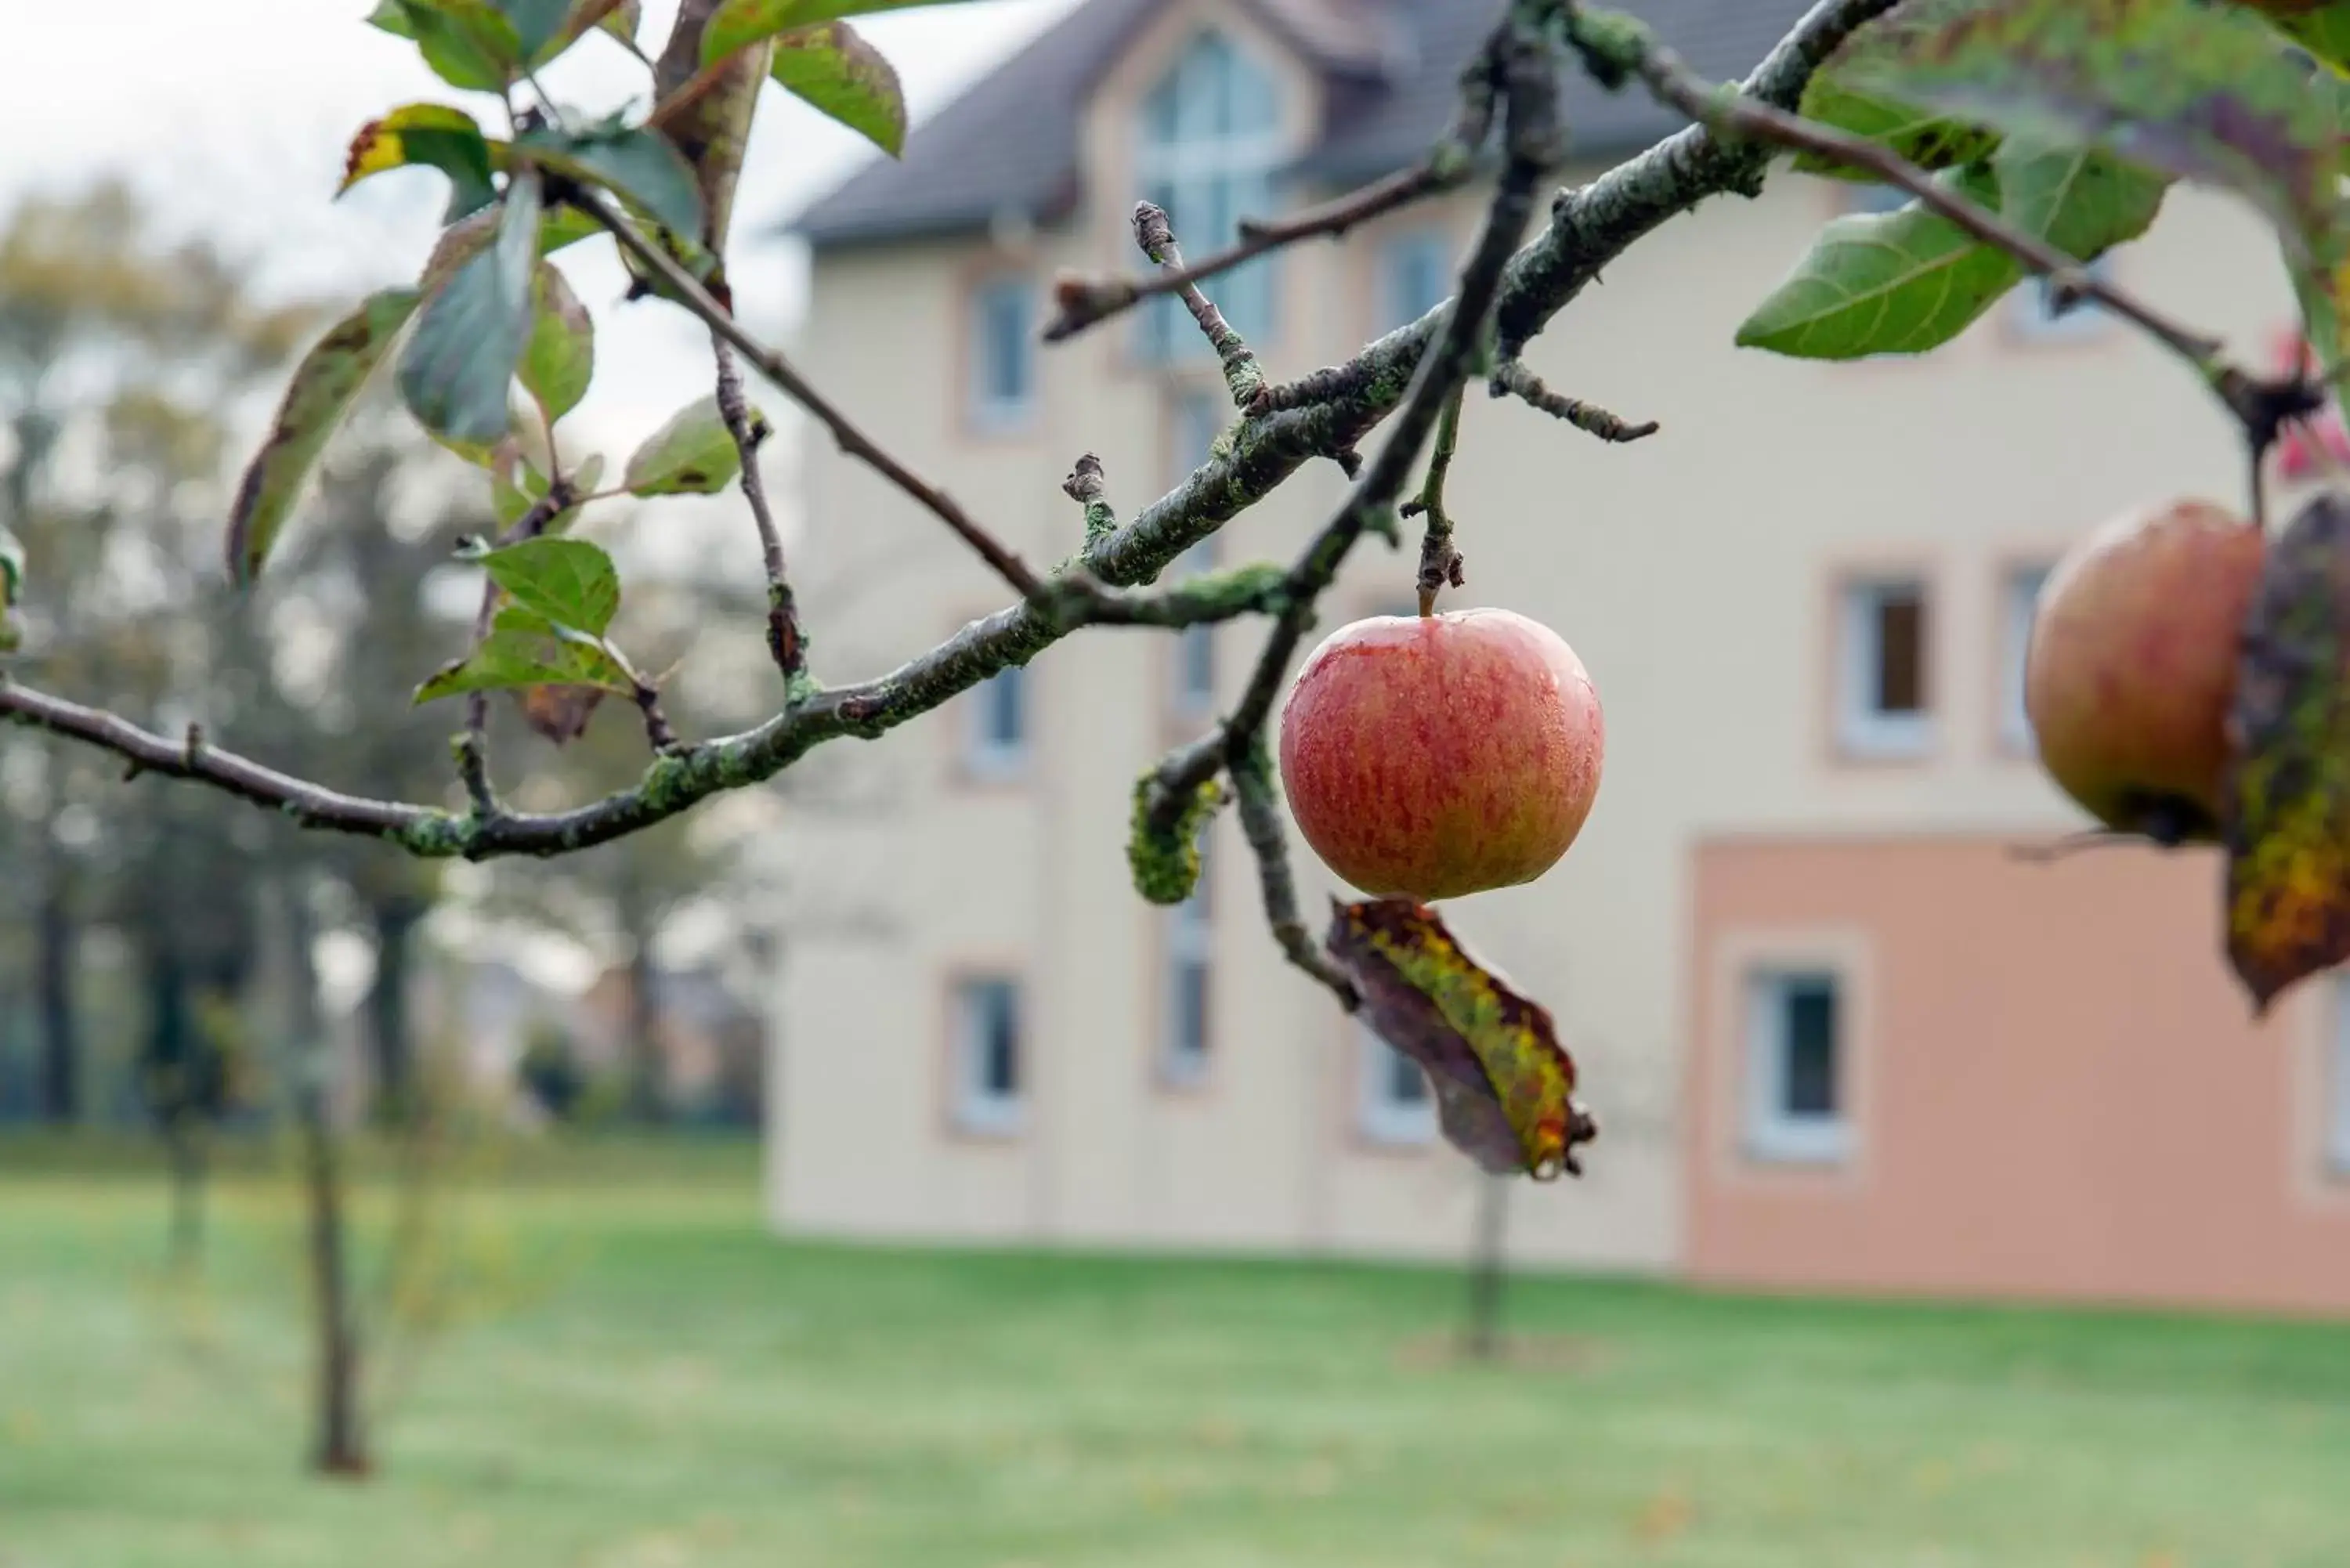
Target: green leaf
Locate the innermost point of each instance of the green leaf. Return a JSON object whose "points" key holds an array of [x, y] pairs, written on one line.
{"points": [[321, 392], [12, 586], [635, 164], [692, 454], [536, 24], [523, 650], [2084, 202], [468, 44], [431, 134], [1929, 141], [560, 359], [1884, 283], [2321, 27], [569, 582], [834, 70], [2287, 813], [516, 487], [2204, 92], [1504, 1086], [457, 367], [739, 23], [392, 17]]}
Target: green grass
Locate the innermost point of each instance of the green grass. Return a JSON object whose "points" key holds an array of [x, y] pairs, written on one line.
{"points": [[642, 1377]]}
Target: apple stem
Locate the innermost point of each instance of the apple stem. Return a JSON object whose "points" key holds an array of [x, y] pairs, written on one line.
{"points": [[1440, 563]]}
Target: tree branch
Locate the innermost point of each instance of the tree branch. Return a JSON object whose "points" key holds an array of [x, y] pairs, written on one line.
{"points": [[1589, 227], [786, 642], [473, 746], [1156, 236], [1616, 46], [777, 369]]}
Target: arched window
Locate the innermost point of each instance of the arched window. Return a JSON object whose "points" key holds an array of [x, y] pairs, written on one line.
{"points": [[1210, 140]]}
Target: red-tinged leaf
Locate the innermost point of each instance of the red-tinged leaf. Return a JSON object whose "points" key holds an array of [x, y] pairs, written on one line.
{"points": [[2288, 805], [2201, 91], [320, 394], [432, 135], [1504, 1086], [834, 72], [560, 713]]}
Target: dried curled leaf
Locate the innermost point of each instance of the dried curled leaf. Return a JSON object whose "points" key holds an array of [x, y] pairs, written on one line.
{"points": [[2288, 805], [559, 714], [1504, 1086]]}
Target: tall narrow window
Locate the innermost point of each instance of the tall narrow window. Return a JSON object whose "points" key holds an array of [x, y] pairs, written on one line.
{"points": [[2019, 601], [1210, 142], [1396, 1105], [1190, 943], [997, 711], [990, 1074], [1003, 354], [2337, 1081], [1795, 1068], [1415, 276], [1198, 416], [1882, 674]]}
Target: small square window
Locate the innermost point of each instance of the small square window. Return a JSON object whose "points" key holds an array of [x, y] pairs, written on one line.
{"points": [[996, 714], [2034, 315], [1796, 1068], [2019, 601], [1881, 675], [1396, 1106], [1191, 944], [1415, 277], [990, 1071], [1003, 354]]}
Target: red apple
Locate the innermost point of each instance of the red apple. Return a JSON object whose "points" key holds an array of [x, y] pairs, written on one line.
{"points": [[2132, 666], [1438, 755]]}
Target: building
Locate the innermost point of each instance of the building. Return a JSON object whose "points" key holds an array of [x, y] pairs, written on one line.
{"points": [[1837, 1033]]}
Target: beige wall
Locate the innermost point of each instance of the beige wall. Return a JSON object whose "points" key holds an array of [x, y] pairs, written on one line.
{"points": [[1693, 572], [2056, 1088]]}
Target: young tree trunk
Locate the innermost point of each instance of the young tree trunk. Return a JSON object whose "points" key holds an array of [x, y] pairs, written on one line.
{"points": [[395, 922], [1487, 1270], [647, 1080], [183, 1141], [56, 939], [340, 1441]]}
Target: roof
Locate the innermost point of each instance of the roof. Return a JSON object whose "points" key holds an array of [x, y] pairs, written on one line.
{"points": [[1008, 146]]}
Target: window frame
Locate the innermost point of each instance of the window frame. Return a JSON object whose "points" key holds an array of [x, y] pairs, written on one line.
{"points": [[2016, 613], [1769, 1133], [1188, 946], [974, 1109], [983, 414], [1381, 1119], [1863, 731], [1388, 310], [986, 757]]}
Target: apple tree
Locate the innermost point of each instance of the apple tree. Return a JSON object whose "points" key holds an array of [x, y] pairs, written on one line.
{"points": [[2031, 136]]}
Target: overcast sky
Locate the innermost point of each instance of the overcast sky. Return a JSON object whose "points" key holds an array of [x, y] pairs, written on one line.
{"points": [[234, 116]]}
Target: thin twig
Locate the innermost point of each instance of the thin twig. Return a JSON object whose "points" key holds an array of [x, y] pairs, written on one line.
{"points": [[1087, 486], [1440, 562], [1447, 166], [1156, 236], [1261, 824], [777, 369], [473, 746], [1512, 379], [786, 643]]}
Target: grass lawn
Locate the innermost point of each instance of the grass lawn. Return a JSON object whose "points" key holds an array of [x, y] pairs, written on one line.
{"points": [[641, 1377]]}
